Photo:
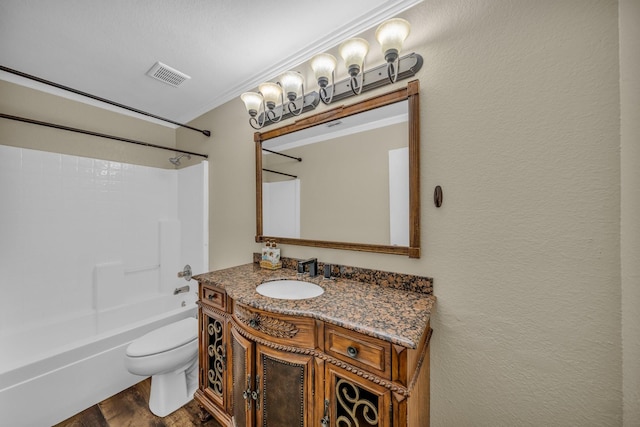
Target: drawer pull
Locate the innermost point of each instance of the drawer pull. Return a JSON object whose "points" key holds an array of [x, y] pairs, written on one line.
{"points": [[352, 351], [254, 323], [212, 296]]}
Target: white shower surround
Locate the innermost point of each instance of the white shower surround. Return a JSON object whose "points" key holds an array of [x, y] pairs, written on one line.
{"points": [[62, 220]]}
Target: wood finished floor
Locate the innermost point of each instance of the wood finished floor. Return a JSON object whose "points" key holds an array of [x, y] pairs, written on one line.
{"points": [[130, 408]]}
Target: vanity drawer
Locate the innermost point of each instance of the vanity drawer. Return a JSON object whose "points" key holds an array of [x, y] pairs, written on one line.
{"points": [[357, 349], [214, 297], [278, 328]]}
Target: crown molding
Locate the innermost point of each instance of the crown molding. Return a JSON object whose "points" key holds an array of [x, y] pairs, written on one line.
{"points": [[331, 40], [355, 27]]}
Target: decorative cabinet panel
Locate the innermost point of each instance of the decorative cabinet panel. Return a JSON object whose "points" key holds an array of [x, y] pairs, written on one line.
{"points": [[243, 382], [214, 391], [214, 360], [354, 402], [285, 380], [270, 387]]}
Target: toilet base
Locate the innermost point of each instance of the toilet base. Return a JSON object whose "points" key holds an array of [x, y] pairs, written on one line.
{"points": [[172, 390]]}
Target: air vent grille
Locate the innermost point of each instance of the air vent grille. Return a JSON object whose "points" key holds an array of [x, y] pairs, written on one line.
{"points": [[166, 74]]}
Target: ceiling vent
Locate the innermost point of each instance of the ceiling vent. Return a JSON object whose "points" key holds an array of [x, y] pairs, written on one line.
{"points": [[166, 74]]}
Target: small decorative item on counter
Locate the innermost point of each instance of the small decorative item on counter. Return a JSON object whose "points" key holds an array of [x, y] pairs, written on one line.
{"points": [[271, 256]]}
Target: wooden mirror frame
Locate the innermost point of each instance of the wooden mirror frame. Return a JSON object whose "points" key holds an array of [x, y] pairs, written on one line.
{"points": [[409, 93]]}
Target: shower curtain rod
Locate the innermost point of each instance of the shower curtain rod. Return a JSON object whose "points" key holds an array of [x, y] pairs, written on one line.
{"points": [[280, 173], [97, 98], [101, 135], [284, 155]]}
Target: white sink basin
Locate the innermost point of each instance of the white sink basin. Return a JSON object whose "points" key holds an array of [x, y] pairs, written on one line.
{"points": [[289, 289]]}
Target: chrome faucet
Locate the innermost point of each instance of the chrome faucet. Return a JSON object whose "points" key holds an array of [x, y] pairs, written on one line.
{"points": [[313, 266], [181, 290], [185, 273]]}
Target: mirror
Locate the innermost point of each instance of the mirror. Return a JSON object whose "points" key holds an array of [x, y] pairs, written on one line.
{"points": [[346, 178]]}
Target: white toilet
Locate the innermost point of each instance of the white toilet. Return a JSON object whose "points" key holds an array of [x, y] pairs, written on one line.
{"points": [[170, 356]]}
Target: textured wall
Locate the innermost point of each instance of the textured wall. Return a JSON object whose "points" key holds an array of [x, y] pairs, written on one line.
{"points": [[520, 125], [629, 11]]}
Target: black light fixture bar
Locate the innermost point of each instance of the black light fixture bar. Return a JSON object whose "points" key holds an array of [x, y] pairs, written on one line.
{"points": [[281, 154], [101, 135], [97, 98], [311, 101], [408, 66]]}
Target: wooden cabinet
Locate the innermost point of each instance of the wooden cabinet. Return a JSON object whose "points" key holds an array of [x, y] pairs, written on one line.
{"points": [[265, 369], [284, 382], [365, 352], [270, 387], [214, 391], [214, 358], [353, 401], [275, 383], [243, 386]]}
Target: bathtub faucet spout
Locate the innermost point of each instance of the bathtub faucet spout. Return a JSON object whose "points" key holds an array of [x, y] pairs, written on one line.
{"points": [[181, 290]]}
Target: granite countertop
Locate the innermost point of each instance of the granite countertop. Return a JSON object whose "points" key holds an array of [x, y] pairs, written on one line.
{"points": [[393, 315]]}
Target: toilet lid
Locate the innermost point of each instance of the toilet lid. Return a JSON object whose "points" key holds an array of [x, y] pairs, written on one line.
{"points": [[165, 338]]}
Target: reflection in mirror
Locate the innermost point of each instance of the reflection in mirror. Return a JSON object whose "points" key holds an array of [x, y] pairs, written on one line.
{"points": [[346, 178], [352, 184]]}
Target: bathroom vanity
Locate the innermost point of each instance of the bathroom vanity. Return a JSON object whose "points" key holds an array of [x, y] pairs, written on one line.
{"points": [[356, 355]]}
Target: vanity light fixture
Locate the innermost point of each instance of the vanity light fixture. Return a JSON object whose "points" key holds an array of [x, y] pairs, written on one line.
{"points": [[353, 52], [293, 86], [268, 105], [391, 34], [271, 93], [261, 106], [324, 67]]}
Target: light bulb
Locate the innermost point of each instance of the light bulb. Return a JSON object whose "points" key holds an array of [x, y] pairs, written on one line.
{"points": [[391, 34], [292, 82], [252, 102], [323, 66], [271, 93], [353, 52]]}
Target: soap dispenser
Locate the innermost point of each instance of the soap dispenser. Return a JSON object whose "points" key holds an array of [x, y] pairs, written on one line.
{"points": [[271, 256]]}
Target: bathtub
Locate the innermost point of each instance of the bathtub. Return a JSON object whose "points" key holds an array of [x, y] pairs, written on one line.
{"points": [[52, 371]]}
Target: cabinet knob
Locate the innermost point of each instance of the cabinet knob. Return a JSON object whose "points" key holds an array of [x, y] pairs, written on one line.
{"points": [[352, 351], [211, 297], [253, 323]]}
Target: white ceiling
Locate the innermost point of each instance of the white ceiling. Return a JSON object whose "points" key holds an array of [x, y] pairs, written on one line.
{"points": [[105, 47]]}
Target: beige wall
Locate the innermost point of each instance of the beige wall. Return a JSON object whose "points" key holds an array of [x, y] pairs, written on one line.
{"points": [[231, 182], [21, 101], [520, 113], [629, 12]]}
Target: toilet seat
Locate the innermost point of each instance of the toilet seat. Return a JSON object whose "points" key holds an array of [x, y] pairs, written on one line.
{"points": [[165, 339]]}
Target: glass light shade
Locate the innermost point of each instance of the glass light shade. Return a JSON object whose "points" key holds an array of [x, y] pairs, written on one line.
{"points": [[252, 101], [391, 34], [353, 52], [271, 93], [292, 82], [323, 65]]}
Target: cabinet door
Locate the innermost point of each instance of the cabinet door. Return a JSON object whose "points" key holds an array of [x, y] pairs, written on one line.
{"points": [[353, 401], [213, 358], [243, 390], [286, 386]]}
